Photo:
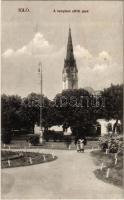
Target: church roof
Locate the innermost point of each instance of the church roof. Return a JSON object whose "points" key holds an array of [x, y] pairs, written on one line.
{"points": [[69, 54], [70, 62]]}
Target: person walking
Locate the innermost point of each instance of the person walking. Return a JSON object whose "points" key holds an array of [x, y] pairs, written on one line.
{"points": [[78, 145], [81, 145]]}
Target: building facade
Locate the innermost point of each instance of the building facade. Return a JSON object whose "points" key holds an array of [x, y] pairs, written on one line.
{"points": [[70, 71]]}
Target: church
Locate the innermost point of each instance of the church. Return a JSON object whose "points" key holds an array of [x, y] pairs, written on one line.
{"points": [[70, 71]]}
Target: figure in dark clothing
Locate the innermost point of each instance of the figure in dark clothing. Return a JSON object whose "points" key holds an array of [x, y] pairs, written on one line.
{"points": [[80, 143]]}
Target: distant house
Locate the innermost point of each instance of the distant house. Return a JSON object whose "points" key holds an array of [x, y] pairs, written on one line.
{"points": [[68, 132], [56, 128], [104, 123], [60, 129]]}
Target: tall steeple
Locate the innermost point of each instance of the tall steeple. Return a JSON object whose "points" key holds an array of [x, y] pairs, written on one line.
{"points": [[69, 54], [70, 80]]}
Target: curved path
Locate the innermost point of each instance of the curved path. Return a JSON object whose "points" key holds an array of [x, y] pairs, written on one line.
{"points": [[69, 177]]}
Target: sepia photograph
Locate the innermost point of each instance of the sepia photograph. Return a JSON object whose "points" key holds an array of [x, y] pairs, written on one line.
{"points": [[61, 99]]}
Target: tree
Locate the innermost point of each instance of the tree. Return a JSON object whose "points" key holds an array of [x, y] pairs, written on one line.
{"points": [[30, 110], [20, 113], [113, 102], [10, 111], [10, 116], [52, 116], [75, 107]]}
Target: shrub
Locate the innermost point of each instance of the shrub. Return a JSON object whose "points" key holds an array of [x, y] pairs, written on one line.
{"points": [[53, 135], [103, 143], [34, 139], [114, 144], [46, 137], [6, 137]]}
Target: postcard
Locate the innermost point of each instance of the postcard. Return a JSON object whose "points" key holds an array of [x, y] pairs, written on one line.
{"points": [[62, 99]]}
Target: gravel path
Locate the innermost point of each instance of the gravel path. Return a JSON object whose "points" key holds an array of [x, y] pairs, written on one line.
{"points": [[70, 176]]}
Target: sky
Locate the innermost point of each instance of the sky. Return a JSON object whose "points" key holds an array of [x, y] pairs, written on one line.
{"points": [[41, 36]]}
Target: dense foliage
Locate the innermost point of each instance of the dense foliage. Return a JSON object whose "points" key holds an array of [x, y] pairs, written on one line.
{"points": [[78, 109], [6, 137], [10, 111], [113, 97], [75, 108], [114, 144], [53, 135], [22, 113], [33, 139]]}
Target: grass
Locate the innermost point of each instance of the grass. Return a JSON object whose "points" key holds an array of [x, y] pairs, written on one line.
{"points": [[20, 144], [26, 158], [116, 171], [9, 155], [6, 154]]}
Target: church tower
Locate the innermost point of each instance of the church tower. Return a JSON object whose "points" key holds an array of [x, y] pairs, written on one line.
{"points": [[70, 71]]}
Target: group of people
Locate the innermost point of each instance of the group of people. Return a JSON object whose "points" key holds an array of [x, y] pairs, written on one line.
{"points": [[80, 144]]}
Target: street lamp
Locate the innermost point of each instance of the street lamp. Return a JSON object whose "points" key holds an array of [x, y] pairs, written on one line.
{"points": [[41, 101]]}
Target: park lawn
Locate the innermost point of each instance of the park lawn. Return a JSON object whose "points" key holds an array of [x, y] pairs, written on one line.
{"points": [[116, 171], [6, 154], [20, 144], [27, 158]]}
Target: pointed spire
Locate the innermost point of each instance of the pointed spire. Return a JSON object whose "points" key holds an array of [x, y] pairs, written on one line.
{"points": [[69, 55]]}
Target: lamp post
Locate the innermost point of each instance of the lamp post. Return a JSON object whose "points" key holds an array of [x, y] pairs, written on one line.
{"points": [[41, 93]]}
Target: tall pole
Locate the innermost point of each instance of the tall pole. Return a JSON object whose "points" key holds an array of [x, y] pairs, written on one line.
{"points": [[41, 91]]}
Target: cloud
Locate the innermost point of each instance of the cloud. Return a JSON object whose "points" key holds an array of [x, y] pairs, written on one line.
{"points": [[39, 41], [100, 67], [81, 52], [37, 46], [100, 76], [23, 50], [102, 61], [99, 62], [104, 56], [8, 52]]}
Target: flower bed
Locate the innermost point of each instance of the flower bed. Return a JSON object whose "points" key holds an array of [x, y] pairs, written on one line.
{"points": [[114, 144], [10, 155], [110, 156], [25, 158]]}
